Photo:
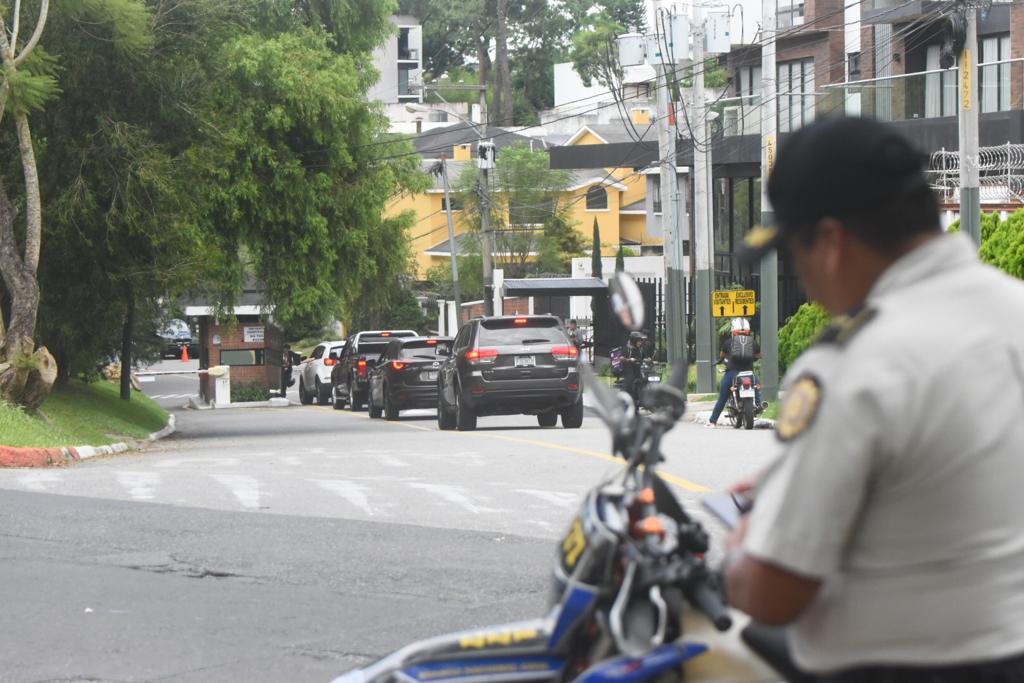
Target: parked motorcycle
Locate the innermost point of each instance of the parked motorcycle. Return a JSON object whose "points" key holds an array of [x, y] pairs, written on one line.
{"points": [[630, 566]]}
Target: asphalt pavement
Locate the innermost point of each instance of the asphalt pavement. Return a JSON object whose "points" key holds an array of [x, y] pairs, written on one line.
{"points": [[295, 543]]}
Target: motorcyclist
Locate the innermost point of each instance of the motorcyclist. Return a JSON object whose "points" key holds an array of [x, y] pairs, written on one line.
{"points": [[738, 352], [631, 364]]}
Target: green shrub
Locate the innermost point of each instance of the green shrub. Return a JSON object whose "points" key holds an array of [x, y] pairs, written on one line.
{"points": [[246, 393], [802, 328]]}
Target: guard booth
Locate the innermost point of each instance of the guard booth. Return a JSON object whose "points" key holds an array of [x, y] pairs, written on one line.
{"points": [[246, 340]]}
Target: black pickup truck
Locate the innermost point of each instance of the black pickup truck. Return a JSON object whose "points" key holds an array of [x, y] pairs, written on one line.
{"points": [[350, 379]]}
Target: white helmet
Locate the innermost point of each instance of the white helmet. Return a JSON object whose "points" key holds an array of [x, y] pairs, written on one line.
{"points": [[740, 326]]}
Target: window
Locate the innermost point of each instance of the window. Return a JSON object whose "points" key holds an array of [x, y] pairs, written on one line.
{"points": [[654, 187], [940, 89], [318, 352], [748, 84], [597, 199], [853, 66], [405, 51], [791, 13], [796, 94], [994, 79], [406, 79], [456, 204], [242, 357]]}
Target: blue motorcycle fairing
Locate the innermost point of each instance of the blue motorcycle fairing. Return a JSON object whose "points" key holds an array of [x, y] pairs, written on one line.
{"points": [[491, 669], [572, 609], [637, 669]]}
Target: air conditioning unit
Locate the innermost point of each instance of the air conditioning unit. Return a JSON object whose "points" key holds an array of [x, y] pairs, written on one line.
{"points": [[731, 120]]}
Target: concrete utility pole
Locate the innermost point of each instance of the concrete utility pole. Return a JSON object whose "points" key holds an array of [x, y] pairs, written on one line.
{"points": [[770, 262], [453, 247], [970, 191], [704, 246], [486, 249], [675, 302]]}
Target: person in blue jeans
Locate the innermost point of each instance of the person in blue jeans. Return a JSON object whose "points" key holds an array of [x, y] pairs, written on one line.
{"points": [[739, 351]]}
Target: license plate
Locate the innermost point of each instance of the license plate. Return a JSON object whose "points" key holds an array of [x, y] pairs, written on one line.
{"points": [[654, 379], [747, 392], [525, 361], [428, 376]]}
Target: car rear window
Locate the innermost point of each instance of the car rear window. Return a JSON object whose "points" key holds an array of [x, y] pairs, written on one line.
{"points": [[422, 350], [509, 332], [337, 350], [372, 349]]}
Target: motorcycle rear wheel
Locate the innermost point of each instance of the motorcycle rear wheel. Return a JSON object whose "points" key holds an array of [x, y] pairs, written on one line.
{"points": [[748, 413]]}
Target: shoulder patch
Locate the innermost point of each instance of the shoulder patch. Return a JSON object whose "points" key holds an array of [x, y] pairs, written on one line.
{"points": [[844, 327], [798, 408]]}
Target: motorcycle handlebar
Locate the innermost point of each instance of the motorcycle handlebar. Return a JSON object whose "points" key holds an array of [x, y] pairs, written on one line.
{"points": [[707, 600]]}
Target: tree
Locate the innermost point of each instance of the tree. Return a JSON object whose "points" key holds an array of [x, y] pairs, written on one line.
{"points": [[471, 280], [528, 208], [594, 52], [595, 253]]}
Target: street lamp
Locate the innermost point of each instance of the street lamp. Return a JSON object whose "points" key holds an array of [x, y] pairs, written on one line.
{"points": [[485, 162]]}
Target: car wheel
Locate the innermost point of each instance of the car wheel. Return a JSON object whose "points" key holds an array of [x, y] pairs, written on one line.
{"points": [[323, 393], [465, 419], [390, 409], [548, 419], [354, 403], [371, 406], [304, 397], [445, 418], [572, 417]]}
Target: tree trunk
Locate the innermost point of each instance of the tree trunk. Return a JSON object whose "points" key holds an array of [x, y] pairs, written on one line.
{"points": [[503, 103], [126, 349], [484, 60], [40, 379]]}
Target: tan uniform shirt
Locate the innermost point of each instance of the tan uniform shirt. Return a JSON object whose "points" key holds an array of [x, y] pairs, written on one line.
{"points": [[902, 483]]}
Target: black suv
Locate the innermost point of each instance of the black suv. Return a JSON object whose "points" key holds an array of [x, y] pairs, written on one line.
{"points": [[509, 365], [350, 378]]}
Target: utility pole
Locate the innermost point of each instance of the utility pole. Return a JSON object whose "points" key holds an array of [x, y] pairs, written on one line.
{"points": [[675, 314], [703, 247], [486, 162], [453, 247], [970, 192], [770, 262]]}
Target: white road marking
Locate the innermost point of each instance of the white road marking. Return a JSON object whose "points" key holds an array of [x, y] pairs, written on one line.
{"points": [[140, 485], [455, 495], [559, 498], [245, 488], [40, 481], [350, 491]]}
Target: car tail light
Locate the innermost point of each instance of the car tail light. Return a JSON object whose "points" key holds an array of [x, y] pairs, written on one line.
{"points": [[572, 387], [477, 356], [746, 383], [521, 321], [431, 342], [385, 334], [398, 365], [361, 367], [565, 352], [331, 361], [478, 390]]}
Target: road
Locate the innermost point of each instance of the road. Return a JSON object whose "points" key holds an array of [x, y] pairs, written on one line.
{"points": [[293, 544]]}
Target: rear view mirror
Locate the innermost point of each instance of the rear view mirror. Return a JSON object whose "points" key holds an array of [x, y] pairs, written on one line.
{"points": [[627, 301]]}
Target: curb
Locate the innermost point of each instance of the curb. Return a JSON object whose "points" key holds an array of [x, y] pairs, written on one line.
{"points": [[277, 402], [57, 457]]}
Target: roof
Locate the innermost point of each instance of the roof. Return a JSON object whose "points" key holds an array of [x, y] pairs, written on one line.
{"points": [[612, 133], [455, 169], [583, 177], [555, 286], [437, 141], [253, 301], [640, 205]]}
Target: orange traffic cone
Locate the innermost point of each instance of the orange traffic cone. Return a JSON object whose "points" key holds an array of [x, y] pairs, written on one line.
{"points": [[184, 353]]}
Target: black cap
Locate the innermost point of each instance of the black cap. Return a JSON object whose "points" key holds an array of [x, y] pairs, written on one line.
{"points": [[837, 167]]}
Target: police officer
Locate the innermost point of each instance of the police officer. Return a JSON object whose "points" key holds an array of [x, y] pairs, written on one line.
{"points": [[288, 361], [632, 362], [888, 533]]}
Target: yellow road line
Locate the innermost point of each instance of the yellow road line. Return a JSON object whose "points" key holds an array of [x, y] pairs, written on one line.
{"points": [[607, 457]]}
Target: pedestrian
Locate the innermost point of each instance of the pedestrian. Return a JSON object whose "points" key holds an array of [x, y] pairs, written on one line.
{"points": [[289, 360], [887, 533], [573, 332]]}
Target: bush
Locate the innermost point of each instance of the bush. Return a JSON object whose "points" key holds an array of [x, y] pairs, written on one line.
{"points": [[802, 328], [246, 393]]}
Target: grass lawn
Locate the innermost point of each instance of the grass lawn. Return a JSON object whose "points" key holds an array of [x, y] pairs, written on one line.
{"points": [[82, 415]]}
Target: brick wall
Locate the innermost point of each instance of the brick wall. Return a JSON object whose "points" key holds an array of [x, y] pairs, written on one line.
{"points": [[232, 338]]}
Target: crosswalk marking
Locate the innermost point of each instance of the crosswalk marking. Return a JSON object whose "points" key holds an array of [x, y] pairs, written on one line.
{"points": [[245, 488], [457, 496], [140, 485], [350, 491]]}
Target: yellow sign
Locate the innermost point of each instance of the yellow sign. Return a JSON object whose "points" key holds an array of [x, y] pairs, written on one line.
{"points": [[769, 149], [965, 80], [733, 303]]}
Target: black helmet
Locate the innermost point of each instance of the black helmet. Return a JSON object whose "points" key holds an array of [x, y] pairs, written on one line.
{"points": [[633, 336]]}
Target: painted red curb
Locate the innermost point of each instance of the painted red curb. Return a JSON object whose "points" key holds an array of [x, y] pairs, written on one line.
{"points": [[36, 457]]}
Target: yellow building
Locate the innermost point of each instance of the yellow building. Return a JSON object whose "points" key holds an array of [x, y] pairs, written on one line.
{"points": [[616, 198]]}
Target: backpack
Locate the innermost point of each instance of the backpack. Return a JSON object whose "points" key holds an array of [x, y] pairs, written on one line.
{"points": [[617, 354], [741, 349]]}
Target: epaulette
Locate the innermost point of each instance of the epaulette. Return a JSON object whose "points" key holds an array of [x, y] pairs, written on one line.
{"points": [[842, 328]]}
